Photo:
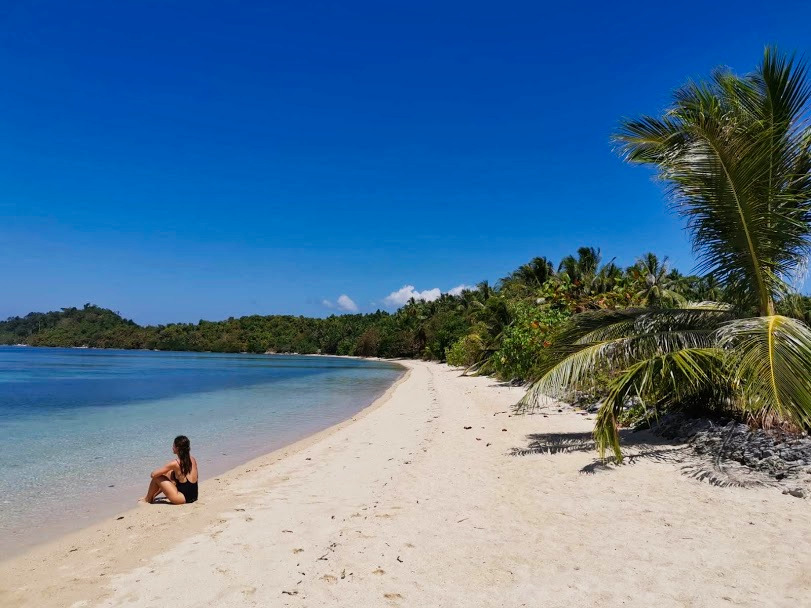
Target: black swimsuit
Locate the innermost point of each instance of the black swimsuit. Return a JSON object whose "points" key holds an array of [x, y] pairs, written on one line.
{"points": [[187, 488]]}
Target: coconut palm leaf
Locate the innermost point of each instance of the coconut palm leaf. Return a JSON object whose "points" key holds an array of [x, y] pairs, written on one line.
{"points": [[577, 362], [771, 357], [606, 324], [693, 316], [612, 323], [616, 338], [669, 378], [735, 155]]}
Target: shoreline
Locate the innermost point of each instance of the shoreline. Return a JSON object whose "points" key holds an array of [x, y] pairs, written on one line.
{"points": [[421, 499], [30, 525], [206, 352], [67, 537]]}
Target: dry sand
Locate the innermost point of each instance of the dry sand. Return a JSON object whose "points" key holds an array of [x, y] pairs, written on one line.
{"points": [[403, 506]]}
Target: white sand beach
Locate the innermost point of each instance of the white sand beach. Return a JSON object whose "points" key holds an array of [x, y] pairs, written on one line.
{"points": [[404, 506]]}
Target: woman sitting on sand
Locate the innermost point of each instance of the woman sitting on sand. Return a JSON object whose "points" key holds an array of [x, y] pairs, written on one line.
{"points": [[177, 480]]}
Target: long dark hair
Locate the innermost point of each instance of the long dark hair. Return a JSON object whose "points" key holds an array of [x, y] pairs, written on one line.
{"points": [[183, 446]]}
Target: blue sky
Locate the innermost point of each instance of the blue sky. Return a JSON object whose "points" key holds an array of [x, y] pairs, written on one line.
{"points": [[177, 161]]}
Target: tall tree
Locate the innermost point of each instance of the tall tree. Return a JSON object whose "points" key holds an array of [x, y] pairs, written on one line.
{"points": [[533, 274], [658, 285], [582, 268]]}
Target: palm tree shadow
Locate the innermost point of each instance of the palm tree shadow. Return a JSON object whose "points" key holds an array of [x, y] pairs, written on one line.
{"points": [[641, 446], [555, 443]]}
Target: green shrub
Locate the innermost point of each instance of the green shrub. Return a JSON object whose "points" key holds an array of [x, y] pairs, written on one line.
{"points": [[465, 351], [525, 339]]}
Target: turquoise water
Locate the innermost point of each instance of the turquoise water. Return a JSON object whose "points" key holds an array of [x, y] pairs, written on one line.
{"points": [[80, 430]]}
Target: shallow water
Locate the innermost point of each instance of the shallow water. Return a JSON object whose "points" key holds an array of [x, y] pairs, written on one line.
{"points": [[81, 429]]}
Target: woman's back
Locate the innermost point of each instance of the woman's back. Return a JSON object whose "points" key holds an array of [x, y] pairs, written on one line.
{"points": [[187, 484], [191, 476]]}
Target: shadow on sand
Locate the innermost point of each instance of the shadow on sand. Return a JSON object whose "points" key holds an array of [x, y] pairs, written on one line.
{"points": [[641, 446]]}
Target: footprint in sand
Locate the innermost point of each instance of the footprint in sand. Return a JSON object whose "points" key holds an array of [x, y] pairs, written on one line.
{"points": [[392, 596], [329, 578], [298, 550], [379, 571]]}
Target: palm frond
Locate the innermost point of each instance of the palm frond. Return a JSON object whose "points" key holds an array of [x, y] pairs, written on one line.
{"points": [[580, 360], [669, 377], [612, 323], [734, 153], [771, 357], [693, 316]]}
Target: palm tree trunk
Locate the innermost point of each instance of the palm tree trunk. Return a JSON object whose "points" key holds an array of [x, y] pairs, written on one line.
{"points": [[766, 305]]}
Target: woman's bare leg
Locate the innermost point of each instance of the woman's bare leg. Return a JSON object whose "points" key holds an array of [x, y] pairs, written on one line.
{"points": [[152, 491], [169, 489]]}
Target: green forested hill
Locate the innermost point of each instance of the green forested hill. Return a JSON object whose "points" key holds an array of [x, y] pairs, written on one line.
{"points": [[102, 328], [91, 325]]}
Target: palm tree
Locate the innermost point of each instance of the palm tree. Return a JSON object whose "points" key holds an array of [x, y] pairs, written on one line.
{"points": [[735, 154], [658, 285], [709, 289], [489, 324], [532, 274], [607, 278], [583, 268], [485, 290]]}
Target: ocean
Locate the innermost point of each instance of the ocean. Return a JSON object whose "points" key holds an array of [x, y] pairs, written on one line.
{"points": [[81, 429]]}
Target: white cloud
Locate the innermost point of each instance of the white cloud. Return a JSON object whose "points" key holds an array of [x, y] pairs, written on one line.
{"points": [[346, 303], [406, 292], [327, 303], [459, 289]]}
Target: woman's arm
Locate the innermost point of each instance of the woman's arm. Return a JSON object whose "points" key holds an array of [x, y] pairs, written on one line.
{"points": [[165, 469]]}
